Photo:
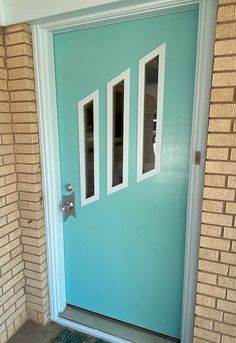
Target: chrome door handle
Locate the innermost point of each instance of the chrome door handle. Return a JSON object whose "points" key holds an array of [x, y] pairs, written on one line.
{"points": [[68, 205]]}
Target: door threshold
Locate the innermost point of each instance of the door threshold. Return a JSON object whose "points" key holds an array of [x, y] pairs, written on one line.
{"points": [[113, 327]]}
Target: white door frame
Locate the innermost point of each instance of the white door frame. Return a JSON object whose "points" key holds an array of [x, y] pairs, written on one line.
{"points": [[46, 93]]}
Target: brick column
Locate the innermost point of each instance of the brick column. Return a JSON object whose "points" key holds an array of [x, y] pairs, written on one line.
{"points": [[216, 292], [25, 129], [12, 280]]}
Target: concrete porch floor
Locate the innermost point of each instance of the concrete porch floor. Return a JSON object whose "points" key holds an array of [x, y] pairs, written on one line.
{"points": [[32, 333]]}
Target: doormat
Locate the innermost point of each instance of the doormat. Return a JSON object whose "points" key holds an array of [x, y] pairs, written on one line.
{"points": [[68, 336]]}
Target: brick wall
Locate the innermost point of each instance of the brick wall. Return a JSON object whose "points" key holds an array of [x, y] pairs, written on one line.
{"points": [[215, 319], [23, 278]]}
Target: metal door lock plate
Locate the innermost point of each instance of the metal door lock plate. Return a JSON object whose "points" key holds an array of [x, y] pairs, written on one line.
{"points": [[68, 205]]}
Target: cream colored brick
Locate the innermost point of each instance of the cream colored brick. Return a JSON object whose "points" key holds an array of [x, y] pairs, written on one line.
{"points": [[215, 180], [17, 37], [10, 265], [17, 313], [222, 94], [5, 128], [4, 107], [226, 30], [28, 168], [231, 207], [21, 84], [5, 118], [5, 170], [229, 258], [4, 96], [217, 154], [205, 300], [23, 106], [217, 219], [24, 118], [6, 229], [213, 267], [17, 27], [7, 139], [26, 138], [227, 282], [230, 318], [219, 125], [222, 139], [233, 155], [12, 208], [221, 167], [24, 205], [13, 281], [22, 158], [7, 189], [226, 79], [20, 73], [233, 247], [227, 306], [207, 278], [208, 335], [36, 283], [231, 295], [19, 61], [23, 128], [225, 329], [33, 232], [33, 258], [23, 96], [10, 246], [230, 233], [29, 178], [204, 323], [226, 13], [219, 193], [212, 206], [208, 254], [227, 339], [210, 290], [13, 299], [231, 182]]}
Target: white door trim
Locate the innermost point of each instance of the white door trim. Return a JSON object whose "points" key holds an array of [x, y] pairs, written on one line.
{"points": [[47, 108]]}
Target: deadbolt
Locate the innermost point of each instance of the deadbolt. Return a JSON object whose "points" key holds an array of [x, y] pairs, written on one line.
{"points": [[68, 187]]}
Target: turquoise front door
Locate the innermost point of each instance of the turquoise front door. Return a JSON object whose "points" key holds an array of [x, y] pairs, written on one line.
{"points": [[125, 101]]}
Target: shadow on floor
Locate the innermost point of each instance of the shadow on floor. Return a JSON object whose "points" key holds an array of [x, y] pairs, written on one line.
{"points": [[32, 333]]}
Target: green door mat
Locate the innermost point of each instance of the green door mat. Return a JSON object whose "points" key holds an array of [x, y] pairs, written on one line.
{"points": [[68, 336]]}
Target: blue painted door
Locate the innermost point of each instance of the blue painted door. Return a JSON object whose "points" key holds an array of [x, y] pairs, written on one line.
{"points": [[124, 252]]}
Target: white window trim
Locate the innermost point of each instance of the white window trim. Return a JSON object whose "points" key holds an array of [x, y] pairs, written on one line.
{"points": [[49, 140], [81, 104], [160, 51], [110, 85]]}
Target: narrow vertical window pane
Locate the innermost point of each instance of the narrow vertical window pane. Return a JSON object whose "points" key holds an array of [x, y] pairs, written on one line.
{"points": [[150, 114], [89, 148], [118, 129]]}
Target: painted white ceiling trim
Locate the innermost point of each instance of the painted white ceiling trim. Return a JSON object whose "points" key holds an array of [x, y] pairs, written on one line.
{"points": [[18, 11]]}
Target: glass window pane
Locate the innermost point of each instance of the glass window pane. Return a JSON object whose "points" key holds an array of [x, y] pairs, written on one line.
{"points": [[89, 148], [150, 114], [118, 129]]}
